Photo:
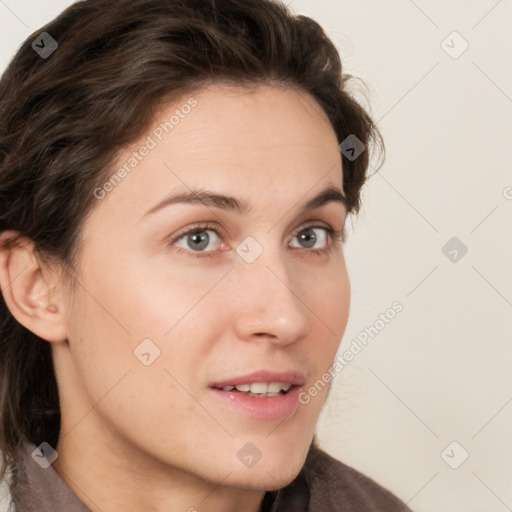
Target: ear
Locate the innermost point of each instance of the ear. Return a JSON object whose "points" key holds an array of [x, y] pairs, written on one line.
{"points": [[27, 288]]}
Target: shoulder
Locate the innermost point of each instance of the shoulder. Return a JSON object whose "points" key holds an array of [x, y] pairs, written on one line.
{"points": [[334, 485]]}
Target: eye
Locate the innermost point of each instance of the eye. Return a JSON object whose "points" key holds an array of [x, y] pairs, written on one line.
{"points": [[204, 239], [200, 239], [315, 237]]}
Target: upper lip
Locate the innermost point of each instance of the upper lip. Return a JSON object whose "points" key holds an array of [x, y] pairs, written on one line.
{"points": [[292, 377]]}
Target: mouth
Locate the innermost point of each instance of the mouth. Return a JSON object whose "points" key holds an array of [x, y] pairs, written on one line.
{"points": [[263, 394]]}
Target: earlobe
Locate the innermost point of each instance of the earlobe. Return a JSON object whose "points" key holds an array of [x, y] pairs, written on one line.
{"points": [[26, 288]]}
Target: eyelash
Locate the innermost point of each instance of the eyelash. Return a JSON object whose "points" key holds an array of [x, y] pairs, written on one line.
{"points": [[333, 234]]}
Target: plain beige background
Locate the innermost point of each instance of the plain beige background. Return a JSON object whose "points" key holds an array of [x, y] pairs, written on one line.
{"points": [[433, 385]]}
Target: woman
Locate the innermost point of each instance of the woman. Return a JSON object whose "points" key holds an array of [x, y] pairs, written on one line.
{"points": [[172, 271]]}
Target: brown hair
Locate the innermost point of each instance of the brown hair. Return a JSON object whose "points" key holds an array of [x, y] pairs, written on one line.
{"points": [[64, 119]]}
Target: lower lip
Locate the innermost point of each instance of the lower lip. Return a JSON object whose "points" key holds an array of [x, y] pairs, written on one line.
{"points": [[267, 407]]}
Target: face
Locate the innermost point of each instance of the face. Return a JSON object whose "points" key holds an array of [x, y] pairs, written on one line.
{"points": [[181, 299]]}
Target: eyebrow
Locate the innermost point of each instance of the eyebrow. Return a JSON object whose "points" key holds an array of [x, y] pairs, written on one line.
{"points": [[230, 203]]}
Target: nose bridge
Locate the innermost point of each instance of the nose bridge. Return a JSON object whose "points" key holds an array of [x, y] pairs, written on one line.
{"points": [[267, 303]]}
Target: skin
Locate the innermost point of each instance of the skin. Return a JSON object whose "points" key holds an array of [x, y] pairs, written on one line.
{"points": [[138, 437]]}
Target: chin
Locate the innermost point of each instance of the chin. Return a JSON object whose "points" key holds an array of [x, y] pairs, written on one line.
{"points": [[271, 476]]}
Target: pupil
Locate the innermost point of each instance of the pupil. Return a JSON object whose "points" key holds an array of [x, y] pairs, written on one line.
{"points": [[309, 237], [200, 240]]}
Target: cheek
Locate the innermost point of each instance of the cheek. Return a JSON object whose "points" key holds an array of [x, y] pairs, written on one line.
{"points": [[128, 303], [130, 397], [137, 300], [330, 307], [329, 303]]}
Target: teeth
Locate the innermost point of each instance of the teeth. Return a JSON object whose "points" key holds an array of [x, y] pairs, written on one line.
{"points": [[271, 389], [259, 387], [275, 387]]}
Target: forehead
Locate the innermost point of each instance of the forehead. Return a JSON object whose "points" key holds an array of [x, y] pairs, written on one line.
{"points": [[266, 144]]}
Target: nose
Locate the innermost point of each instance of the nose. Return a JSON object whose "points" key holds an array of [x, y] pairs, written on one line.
{"points": [[268, 304]]}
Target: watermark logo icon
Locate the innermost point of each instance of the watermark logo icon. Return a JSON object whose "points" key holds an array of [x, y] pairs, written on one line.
{"points": [[249, 455], [44, 45], [352, 147], [45, 455], [146, 352], [454, 455], [249, 249], [454, 249], [454, 45]]}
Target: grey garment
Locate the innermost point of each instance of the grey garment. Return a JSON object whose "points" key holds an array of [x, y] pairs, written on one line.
{"points": [[327, 485], [323, 485], [39, 489]]}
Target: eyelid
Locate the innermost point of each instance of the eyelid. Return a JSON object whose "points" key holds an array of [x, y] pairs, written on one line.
{"points": [[311, 224], [333, 232], [198, 227]]}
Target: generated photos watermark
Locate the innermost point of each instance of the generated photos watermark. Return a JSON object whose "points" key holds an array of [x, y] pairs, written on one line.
{"points": [[157, 135], [356, 346]]}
